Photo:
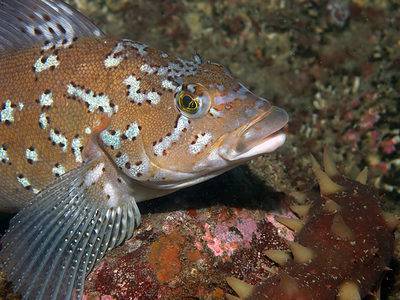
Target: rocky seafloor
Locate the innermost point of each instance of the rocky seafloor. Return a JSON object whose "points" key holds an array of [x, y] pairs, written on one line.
{"points": [[333, 65]]}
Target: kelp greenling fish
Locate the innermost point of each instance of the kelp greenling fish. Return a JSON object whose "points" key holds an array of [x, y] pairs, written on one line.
{"points": [[91, 125]]}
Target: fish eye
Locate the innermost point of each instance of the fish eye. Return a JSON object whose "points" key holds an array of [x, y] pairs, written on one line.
{"points": [[193, 102], [188, 104]]}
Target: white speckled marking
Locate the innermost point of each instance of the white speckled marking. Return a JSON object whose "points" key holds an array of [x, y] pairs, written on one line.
{"points": [[94, 101], [162, 71], [148, 69], [202, 140], [122, 160], [43, 121], [21, 106], [140, 47], [112, 193], [59, 139], [31, 155], [166, 143], [58, 170], [112, 62], [132, 132], [197, 59], [135, 96], [111, 140], [88, 130], [4, 155], [51, 61], [122, 51], [46, 99], [153, 97], [169, 85], [27, 184], [134, 170], [133, 87], [7, 113], [24, 182], [76, 149], [94, 175]]}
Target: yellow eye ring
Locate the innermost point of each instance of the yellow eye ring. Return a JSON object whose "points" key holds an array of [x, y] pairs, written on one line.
{"points": [[193, 101], [187, 103]]}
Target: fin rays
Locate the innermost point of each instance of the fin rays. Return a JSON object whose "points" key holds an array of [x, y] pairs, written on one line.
{"points": [[68, 228], [53, 243], [28, 22]]}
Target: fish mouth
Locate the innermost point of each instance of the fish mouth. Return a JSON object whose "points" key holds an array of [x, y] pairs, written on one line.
{"points": [[262, 135]]}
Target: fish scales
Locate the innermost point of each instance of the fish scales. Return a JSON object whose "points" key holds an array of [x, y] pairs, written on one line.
{"points": [[81, 64], [91, 125]]}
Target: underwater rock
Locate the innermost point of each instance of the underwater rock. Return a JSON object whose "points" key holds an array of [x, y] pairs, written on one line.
{"points": [[344, 243], [188, 253]]}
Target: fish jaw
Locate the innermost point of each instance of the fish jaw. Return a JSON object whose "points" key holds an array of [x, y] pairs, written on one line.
{"points": [[263, 135], [252, 126]]}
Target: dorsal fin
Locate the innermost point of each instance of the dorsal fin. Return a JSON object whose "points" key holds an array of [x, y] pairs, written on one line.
{"points": [[24, 23]]}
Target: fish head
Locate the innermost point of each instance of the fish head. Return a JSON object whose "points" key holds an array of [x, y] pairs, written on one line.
{"points": [[218, 124]]}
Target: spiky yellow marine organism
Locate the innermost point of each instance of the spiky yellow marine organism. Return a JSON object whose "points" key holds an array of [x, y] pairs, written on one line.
{"points": [[326, 184], [294, 224], [301, 210], [243, 289], [278, 256], [343, 244]]}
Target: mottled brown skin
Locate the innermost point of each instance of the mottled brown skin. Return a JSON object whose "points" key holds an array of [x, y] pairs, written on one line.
{"points": [[82, 64], [20, 83], [362, 260]]}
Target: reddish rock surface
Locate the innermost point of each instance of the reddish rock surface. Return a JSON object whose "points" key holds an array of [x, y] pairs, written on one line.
{"points": [[188, 253], [352, 243]]}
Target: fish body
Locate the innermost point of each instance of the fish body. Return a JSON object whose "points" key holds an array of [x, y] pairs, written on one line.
{"points": [[70, 104], [91, 125]]}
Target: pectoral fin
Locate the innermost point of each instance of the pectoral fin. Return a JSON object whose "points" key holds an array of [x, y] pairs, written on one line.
{"points": [[54, 242]]}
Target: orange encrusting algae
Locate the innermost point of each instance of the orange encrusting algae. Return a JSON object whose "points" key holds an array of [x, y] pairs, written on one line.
{"points": [[165, 255]]}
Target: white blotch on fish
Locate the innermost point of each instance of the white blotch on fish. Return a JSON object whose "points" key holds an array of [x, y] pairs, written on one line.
{"points": [[94, 175]]}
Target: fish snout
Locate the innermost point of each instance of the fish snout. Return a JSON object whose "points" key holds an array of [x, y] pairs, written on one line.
{"points": [[264, 133]]}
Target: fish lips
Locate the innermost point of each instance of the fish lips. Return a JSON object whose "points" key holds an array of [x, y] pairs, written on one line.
{"points": [[263, 134]]}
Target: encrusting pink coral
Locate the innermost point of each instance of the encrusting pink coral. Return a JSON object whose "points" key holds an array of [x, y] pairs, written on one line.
{"points": [[340, 252]]}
